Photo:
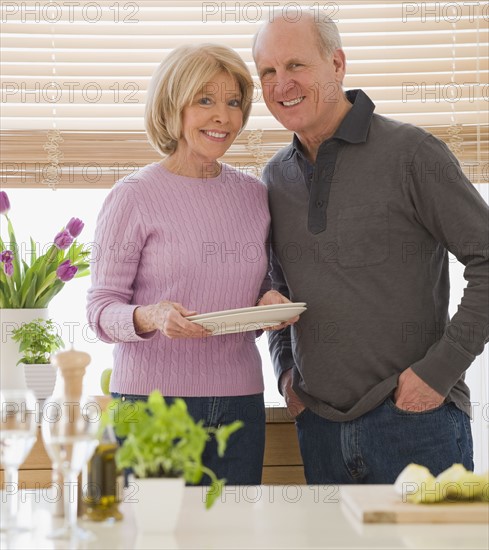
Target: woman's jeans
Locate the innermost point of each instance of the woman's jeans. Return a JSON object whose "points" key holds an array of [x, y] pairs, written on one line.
{"points": [[243, 460], [376, 447]]}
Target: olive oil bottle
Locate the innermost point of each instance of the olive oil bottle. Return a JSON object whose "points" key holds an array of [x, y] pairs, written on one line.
{"points": [[103, 482]]}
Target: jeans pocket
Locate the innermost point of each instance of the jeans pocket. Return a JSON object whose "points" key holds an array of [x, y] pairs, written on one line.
{"points": [[301, 414], [461, 424], [422, 410]]}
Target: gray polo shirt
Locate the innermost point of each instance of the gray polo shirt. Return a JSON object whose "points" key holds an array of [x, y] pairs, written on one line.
{"points": [[363, 237]]}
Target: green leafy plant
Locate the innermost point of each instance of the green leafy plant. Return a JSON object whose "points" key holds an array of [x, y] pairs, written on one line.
{"points": [[37, 341], [163, 440]]}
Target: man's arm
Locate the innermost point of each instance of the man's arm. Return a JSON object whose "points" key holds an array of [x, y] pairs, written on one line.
{"points": [[280, 345], [455, 214]]}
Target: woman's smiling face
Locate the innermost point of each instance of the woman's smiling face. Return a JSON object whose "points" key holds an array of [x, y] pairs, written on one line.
{"points": [[211, 122]]}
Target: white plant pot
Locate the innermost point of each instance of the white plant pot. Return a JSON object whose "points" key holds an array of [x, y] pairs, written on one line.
{"points": [[157, 503], [12, 375], [40, 379]]}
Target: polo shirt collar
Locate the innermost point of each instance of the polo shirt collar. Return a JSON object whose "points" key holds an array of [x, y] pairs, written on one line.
{"points": [[353, 128]]}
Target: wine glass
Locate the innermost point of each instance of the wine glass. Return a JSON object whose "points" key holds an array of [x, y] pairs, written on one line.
{"points": [[69, 431], [17, 436]]}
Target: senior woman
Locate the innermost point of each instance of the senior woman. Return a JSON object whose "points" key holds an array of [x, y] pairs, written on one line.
{"points": [[175, 240]]}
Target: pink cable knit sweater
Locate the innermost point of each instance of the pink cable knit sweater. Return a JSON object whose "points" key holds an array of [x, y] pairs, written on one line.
{"points": [[198, 242]]}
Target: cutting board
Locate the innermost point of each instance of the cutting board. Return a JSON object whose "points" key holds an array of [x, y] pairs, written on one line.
{"points": [[380, 504]]}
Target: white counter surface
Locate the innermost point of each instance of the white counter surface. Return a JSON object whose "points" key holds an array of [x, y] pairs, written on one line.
{"points": [[249, 517]]}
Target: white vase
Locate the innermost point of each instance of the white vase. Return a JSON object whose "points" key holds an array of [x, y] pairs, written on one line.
{"points": [[12, 375], [40, 379], [157, 503]]}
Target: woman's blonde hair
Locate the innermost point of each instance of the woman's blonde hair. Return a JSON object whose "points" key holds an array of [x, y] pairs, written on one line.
{"points": [[179, 78]]}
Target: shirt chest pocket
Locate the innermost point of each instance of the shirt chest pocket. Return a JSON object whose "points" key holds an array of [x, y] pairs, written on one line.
{"points": [[363, 235]]}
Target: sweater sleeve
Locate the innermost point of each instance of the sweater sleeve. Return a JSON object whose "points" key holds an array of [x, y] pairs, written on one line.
{"points": [[267, 281], [455, 214], [120, 228]]}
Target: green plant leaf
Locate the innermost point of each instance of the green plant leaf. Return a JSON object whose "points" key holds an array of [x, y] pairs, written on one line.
{"points": [[156, 402], [30, 298], [74, 251], [3, 299], [223, 433], [14, 299], [33, 251], [53, 261], [3, 286], [37, 340], [48, 281], [5, 289], [47, 263], [41, 271], [28, 289], [214, 492], [49, 294], [81, 274]]}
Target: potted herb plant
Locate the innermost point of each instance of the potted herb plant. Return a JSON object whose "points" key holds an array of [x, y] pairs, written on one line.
{"points": [[163, 446], [37, 340]]}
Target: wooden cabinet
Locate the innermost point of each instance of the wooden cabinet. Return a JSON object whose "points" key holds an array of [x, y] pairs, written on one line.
{"points": [[282, 464], [35, 472]]}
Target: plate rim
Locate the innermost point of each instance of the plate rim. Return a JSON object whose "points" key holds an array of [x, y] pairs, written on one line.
{"points": [[221, 319], [250, 309], [237, 331]]}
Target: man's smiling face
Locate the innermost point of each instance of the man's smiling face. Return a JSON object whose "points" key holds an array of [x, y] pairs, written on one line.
{"points": [[301, 86]]}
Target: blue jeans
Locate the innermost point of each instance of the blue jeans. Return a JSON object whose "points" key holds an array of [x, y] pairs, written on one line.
{"points": [[242, 462], [376, 447]]}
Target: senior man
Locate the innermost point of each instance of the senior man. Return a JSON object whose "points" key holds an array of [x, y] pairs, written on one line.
{"points": [[364, 212]]}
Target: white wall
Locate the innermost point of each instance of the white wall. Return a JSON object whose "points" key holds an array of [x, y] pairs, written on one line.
{"points": [[478, 375], [41, 213]]}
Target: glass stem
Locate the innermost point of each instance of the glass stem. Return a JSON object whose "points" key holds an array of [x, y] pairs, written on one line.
{"points": [[12, 485], [71, 500], [57, 480]]}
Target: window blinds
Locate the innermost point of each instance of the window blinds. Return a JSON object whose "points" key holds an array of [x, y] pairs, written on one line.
{"points": [[83, 68]]}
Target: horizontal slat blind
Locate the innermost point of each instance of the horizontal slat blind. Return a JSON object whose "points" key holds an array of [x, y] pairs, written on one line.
{"points": [[86, 66]]}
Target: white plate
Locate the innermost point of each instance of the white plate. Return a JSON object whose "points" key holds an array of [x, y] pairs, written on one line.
{"points": [[256, 319], [245, 310]]}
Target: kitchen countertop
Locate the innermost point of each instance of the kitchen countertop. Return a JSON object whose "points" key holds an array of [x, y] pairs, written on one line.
{"points": [[285, 517]]}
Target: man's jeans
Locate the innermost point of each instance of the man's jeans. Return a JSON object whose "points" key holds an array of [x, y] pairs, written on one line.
{"points": [[243, 460], [377, 446]]}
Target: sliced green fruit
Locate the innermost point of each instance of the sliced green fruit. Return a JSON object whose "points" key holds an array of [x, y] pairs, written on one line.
{"points": [[416, 484]]}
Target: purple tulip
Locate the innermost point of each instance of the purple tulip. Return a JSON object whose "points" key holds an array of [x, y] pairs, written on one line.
{"points": [[66, 271], [75, 227], [63, 240], [4, 203], [8, 267], [6, 258]]}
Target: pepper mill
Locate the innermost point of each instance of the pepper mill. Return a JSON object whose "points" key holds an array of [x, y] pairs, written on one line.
{"points": [[72, 366]]}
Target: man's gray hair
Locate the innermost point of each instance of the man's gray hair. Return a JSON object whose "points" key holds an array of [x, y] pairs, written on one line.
{"points": [[328, 35]]}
